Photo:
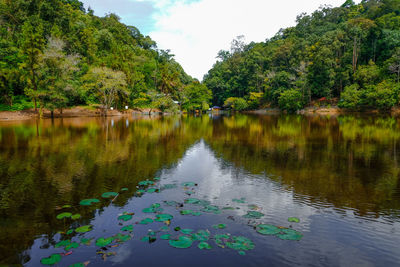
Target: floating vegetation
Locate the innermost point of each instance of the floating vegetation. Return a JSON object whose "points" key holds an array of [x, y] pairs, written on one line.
{"points": [[88, 202], [84, 229], [122, 238], [128, 228], [219, 226], [201, 235], [190, 212], [294, 219], [228, 208], [172, 203], [109, 194], [168, 186], [181, 242], [64, 215], [241, 200], [66, 206], [146, 183], [149, 239], [86, 241], [211, 209], [163, 217], [146, 221], [53, 259], [125, 217], [71, 246], [221, 239], [156, 207], [124, 189], [289, 234], [151, 190], [76, 216], [189, 184], [63, 243], [240, 243], [197, 201], [254, 207], [204, 245], [103, 242], [267, 229], [186, 231], [156, 178], [253, 215], [165, 237], [70, 231]]}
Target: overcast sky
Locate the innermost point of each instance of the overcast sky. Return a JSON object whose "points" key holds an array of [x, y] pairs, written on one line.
{"points": [[195, 30]]}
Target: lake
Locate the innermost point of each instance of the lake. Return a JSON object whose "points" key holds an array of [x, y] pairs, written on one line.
{"points": [[214, 190]]}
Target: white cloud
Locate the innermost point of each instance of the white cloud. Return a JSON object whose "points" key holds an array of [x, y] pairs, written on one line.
{"points": [[196, 31]]}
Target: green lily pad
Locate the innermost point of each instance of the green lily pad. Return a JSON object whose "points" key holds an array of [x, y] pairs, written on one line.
{"points": [[124, 189], [63, 243], [141, 191], [220, 239], [88, 202], [146, 183], [186, 231], [168, 186], [53, 259], [201, 235], [149, 239], [76, 216], [77, 265], [219, 226], [122, 238], [189, 184], [240, 243], [197, 201], [151, 190], [164, 228], [156, 207], [241, 200], [165, 237], [228, 208], [84, 229], [125, 217], [109, 194], [156, 178], [103, 242], [146, 221], [86, 241], [64, 215], [163, 217], [289, 234], [190, 212], [254, 215], [211, 209], [66, 206], [70, 231], [71, 246], [267, 229], [182, 242], [294, 219], [171, 203], [204, 245], [254, 207], [242, 253], [128, 228]]}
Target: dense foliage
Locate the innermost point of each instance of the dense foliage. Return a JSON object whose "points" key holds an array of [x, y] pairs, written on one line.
{"points": [[349, 53], [56, 54]]}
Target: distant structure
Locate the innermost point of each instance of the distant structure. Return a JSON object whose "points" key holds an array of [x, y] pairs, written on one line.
{"points": [[216, 108]]}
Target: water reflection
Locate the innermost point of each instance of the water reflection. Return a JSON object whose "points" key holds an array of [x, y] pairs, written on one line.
{"points": [[302, 166]]}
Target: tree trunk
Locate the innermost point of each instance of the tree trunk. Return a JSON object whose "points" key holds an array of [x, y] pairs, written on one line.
{"points": [[355, 54], [52, 114]]}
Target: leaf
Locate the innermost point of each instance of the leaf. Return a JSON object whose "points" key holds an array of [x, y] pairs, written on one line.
{"points": [[186, 231], [76, 216], [63, 215], [190, 212], [124, 189], [72, 245], [84, 229], [128, 228], [165, 237], [53, 259], [254, 215], [267, 229], [66, 206], [182, 242], [151, 190], [163, 217], [294, 219], [211, 209], [146, 221], [156, 178], [156, 207], [189, 184], [201, 235], [63, 243], [219, 226], [70, 231], [122, 238], [102, 242], [146, 183], [241, 200], [204, 245], [289, 234], [171, 203], [242, 253], [240, 243], [109, 194], [86, 241], [88, 202], [125, 217], [78, 265]]}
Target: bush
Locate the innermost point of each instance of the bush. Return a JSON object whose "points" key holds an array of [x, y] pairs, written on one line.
{"points": [[290, 100], [254, 101], [19, 103], [236, 103], [382, 96], [166, 104], [350, 97]]}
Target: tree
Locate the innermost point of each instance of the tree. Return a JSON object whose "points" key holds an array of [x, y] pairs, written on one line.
{"points": [[290, 100], [106, 84], [195, 96], [394, 64]]}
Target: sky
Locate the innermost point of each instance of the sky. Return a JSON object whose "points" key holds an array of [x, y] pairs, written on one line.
{"points": [[195, 30]]}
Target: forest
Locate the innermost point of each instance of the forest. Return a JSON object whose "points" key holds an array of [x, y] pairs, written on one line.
{"points": [[347, 56], [55, 54]]}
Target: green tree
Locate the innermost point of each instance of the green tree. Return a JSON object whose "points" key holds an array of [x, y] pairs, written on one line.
{"points": [[195, 96], [290, 100]]}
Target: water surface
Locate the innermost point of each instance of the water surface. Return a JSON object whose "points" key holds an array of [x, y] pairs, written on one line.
{"points": [[339, 176]]}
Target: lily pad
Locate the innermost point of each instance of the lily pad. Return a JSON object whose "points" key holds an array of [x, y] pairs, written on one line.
{"points": [[211, 209], [156, 178], [186, 231], [189, 184], [63, 243], [294, 219], [254, 215], [146, 183], [146, 221], [64, 215], [182, 242], [125, 217], [164, 228], [151, 190], [88, 202], [103, 242], [53, 259], [190, 212], [84, 229], [171, 203], [141, 191], [220, 239], [204, 245], [228, 208], [168, 186], [165, 237], [163, 217], [241, 200], [70, 231], [86, 241], [122, 238], [77, 265], [254, 207], [289, 234], [240, 243], [156, 207], [76, 216], [201, 235], [71, 246], [109, 194], [242, 253], [66, 206], [124, 189], [267, 229], [197, 201], [128, 228], [219, 226]]}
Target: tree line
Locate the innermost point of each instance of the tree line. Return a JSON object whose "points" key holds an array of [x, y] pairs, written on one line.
{"points": [[347, 55], [55, 54]]}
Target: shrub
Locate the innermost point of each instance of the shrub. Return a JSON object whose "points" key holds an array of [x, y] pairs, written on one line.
{"points": [[350, 97], [290, 100], [236, 103], [382, 96]]}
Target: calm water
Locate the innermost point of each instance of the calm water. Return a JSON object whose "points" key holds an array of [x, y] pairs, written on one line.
{"points": [[339, 176]]}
